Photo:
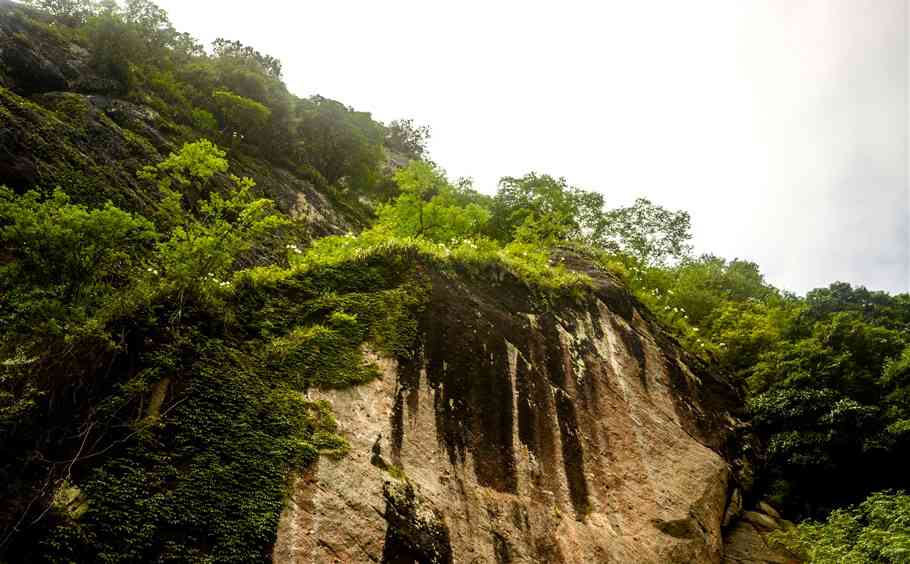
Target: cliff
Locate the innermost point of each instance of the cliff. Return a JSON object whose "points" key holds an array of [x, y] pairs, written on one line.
{"points": [[493, 421], [572, 433]]}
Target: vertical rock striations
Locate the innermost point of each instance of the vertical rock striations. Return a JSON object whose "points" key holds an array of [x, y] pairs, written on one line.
{"points": [[572, 432]]}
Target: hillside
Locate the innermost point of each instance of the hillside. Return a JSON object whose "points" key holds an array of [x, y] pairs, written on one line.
{"points": [[243, 326]]}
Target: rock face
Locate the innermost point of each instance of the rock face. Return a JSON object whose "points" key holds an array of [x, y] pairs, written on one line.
{"points": [[573, 433]]}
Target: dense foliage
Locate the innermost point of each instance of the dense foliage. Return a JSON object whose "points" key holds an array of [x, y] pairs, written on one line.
{"points": [[874, 531], [153, 357]]}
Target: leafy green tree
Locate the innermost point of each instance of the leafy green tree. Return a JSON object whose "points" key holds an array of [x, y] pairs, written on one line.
{"points": [[875, 307], [71, 12], [430, 207], [64, 267], [115, 46], [225, 49], [405, 137], [896, 384], [210, 232], [545, 205], [343, 145], [651, 234], [147, 15], [241, 116], [63, 261], [874, 531]]}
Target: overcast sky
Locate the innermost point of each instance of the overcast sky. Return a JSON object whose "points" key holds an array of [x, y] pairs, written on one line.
{"points": [[780, 125]]}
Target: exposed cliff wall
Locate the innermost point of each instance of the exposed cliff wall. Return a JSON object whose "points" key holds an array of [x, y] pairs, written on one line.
{"points": [[524, 433]]}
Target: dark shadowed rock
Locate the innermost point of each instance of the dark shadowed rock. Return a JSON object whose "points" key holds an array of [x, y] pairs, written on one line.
{"points": [[745, 544]]}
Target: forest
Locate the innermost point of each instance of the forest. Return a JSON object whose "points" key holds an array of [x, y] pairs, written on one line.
{"points": [[173, 275]]}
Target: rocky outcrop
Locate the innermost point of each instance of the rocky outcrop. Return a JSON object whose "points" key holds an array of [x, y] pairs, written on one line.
{"points": [[746, 541], [36, 57], [522, 431]]}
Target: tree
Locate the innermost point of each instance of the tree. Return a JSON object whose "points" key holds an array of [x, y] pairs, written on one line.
{"points": [[115, 46], [152, 21], [343, 145], [245, 55], [430, 207], [876, 530], [71, 12], [895, 383], [241, 116], [206, 239], [63, 259], [544, 204], [406, 138], [648, 232]]}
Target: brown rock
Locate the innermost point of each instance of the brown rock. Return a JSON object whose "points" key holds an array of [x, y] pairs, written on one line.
{"points": [[734, 507], [522, 436], [767, 509], [746, 545], [761, 520]]}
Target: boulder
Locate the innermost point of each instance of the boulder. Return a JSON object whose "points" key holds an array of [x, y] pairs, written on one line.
{"points": [[746, 545], [761, 520], [767, 509]]}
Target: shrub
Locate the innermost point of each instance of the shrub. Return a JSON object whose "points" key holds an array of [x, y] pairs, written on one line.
{"points": [[242, 115], [875, 531]]}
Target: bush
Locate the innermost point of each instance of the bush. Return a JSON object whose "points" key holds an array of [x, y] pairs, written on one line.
{"points": [[875, 531], [242, 116], [64, 261], [204, 120], [115, 46]]}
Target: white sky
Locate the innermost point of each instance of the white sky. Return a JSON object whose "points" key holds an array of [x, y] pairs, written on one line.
{"points": [[780, 125]]}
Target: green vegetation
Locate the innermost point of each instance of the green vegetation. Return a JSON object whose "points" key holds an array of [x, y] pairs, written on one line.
{"points": [[140, 57], [875, 531], [173, 374], [430, 208], [160, 328], [407, 138]]}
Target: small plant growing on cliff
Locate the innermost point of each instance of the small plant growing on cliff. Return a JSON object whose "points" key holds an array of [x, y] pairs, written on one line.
{"points": [[207, 230]]}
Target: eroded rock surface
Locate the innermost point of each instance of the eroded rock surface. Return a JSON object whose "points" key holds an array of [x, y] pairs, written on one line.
{"points": [[574, 433]]}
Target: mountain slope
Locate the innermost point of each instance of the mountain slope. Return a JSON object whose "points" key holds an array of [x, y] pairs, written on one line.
{"points": [[392, 404]]}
